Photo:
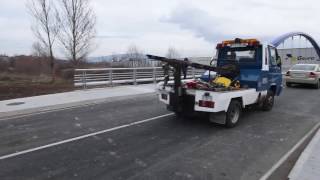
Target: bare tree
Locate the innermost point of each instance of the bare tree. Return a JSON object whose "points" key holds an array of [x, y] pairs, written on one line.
{"points": [[172, 53], [38, 50], [78, 22], [135, 57], [46, 28]]}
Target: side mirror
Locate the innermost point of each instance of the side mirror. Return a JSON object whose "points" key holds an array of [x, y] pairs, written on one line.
{"points": [[279, 61], [213, 62], [279, 64]]}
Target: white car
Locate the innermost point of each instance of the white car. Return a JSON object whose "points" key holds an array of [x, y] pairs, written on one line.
{"points": [[304, 74]]}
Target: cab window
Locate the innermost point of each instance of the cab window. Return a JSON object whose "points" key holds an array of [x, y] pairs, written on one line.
{"points": [[239, 54], [273, 56]]}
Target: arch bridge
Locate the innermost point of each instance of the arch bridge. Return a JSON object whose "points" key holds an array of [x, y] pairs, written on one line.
{"points": [[276, 42]]}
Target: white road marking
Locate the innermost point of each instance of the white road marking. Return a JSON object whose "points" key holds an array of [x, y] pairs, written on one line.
{"points": [[288, 154], [82, 137]]}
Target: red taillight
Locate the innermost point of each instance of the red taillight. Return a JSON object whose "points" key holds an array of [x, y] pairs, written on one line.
{"points": [[312, 75], [288, 73], [208, 104]]}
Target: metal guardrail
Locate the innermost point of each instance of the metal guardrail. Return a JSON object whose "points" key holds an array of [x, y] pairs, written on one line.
{"points": [[112, 76]]}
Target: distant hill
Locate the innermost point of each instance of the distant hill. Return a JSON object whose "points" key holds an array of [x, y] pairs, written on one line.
{"points": [[100, 59], [105, 58], [118, 57]]}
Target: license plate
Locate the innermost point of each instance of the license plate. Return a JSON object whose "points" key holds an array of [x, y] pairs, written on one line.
{"points": [[164, 96], [206, 97], [299, 75]]}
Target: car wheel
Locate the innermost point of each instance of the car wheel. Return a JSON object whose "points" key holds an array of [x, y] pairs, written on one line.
{"points": [[288, 84], [317, 86], [233, 114], [268, 102]]}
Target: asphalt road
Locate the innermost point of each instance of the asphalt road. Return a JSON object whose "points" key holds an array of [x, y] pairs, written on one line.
{"points": [[162, 148]]}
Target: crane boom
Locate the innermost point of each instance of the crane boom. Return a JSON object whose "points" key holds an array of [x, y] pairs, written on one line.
{"points": [[176, 62]]}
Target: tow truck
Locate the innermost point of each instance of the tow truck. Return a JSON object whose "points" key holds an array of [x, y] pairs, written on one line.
{"points": [[247, 73]]}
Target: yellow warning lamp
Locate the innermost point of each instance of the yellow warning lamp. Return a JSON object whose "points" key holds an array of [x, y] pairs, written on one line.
{"points": [[248, 42]]}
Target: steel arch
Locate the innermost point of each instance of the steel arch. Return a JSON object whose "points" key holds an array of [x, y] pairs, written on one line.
{"points": [[276, 42]]}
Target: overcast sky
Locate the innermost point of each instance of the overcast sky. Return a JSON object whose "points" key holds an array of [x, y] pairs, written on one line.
{"points": [[191, 26]]}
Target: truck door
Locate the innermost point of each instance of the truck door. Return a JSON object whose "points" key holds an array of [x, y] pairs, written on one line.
{"points": [[275, 74]]}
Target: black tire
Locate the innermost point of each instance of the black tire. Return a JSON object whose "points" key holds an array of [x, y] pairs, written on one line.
{"points": [[268, 102], [317, 86], [180, 114], [184, 114], [233, 114], [288, 84]]}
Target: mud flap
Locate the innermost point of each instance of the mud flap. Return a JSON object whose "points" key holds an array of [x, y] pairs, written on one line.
{"points": [[219, 118]]}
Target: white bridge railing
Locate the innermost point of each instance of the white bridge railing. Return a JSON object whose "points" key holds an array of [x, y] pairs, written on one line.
{"points": [[112, 76]]}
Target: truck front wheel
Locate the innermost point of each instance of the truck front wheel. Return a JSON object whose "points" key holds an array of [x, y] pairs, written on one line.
{"points": [[233, 114], [268, 102]]}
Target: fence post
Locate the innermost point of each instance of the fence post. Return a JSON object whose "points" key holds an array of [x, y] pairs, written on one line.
{"points": [[154, 70], [84, 79], [135, 76], [193, 73], [110, 77]]}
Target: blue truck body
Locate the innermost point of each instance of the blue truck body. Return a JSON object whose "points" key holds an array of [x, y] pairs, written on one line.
{"points": [[262, 71]]}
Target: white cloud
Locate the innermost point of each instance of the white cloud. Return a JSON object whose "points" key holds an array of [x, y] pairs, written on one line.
{"points": [[192, 26]]}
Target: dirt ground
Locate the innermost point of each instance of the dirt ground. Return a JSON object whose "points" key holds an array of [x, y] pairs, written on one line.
{"points": [[22, 85], [26, 90]]}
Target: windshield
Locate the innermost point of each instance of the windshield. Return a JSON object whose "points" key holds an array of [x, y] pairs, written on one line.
{"points": [[304, 67], [242, 54]]}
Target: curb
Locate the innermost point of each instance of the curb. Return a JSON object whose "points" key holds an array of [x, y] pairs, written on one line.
{"points": [[296, 150], [307, 165]]}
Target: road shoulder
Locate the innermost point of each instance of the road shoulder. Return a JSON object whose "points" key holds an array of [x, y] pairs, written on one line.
{"points": [[45, 103]]}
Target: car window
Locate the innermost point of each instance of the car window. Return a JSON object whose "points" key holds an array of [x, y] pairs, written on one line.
{"points": [[304, 67], [273, 56]]}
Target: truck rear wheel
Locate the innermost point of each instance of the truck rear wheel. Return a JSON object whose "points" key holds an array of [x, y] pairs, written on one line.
{"points": [[180, 114], [268, 102], [233, 114]]}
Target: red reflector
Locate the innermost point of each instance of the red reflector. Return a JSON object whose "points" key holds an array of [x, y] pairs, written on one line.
{"points": [[164, 96], [312, 75], [208, 104]]}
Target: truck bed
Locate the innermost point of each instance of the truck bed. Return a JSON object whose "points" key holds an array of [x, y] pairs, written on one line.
{"points": [[222, 99]]}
